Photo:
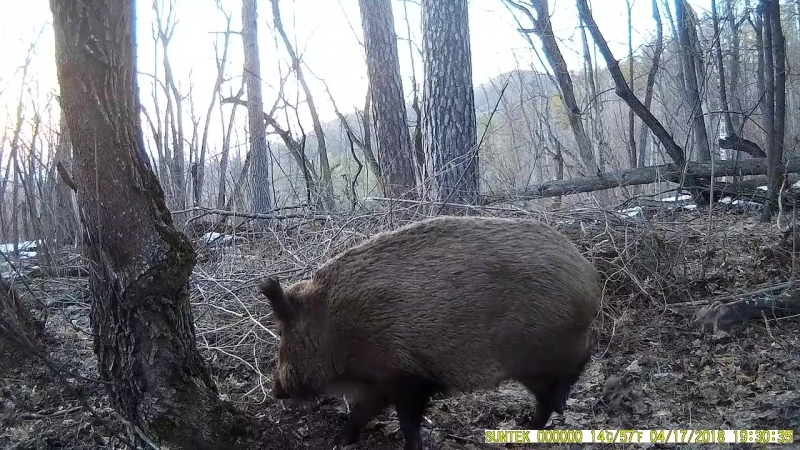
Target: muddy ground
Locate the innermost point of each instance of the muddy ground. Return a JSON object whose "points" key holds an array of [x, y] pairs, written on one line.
{"points": [[665, 370]]}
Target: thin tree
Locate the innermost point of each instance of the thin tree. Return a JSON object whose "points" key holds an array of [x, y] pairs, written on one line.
{"points": [[392, 138], [221, 61], [141, 316], [775, 76], [622, 89], [174, 114], [597, 105], [324, 164], [543, 28], [450, 133], [734, 64], [631, 116], [262, 201], [688, 58], [651, 81]]}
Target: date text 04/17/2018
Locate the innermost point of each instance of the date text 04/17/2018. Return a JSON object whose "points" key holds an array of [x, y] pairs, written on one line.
{"points": [[686, 436]]}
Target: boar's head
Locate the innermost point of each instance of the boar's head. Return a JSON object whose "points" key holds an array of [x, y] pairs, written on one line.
{"points": [[304, 362]]}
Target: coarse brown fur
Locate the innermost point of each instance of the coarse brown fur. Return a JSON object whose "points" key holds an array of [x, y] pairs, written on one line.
{"points": [[445, 304]]}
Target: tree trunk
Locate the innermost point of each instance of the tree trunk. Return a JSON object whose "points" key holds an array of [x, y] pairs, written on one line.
{"points": [[226, 151], [201, 170], [690, 74], [366, 140], [327, 195], [631, 117], [597, 105], [43, 253], [723, 93], [758, 28], [734, 66], [262, 202], [450, 130], [775, 65], [64, 221], [651, 81], [141, 316], [392, 137], [174, 117], [419, 150]]}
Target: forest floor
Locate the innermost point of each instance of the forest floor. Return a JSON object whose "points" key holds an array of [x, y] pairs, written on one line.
{"points": [[666, 371]]}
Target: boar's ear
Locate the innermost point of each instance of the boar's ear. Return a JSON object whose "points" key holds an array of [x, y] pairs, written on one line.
{"points": [[271, 288]]}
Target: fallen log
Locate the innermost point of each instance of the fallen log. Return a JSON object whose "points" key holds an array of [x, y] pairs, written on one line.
{"points": [[639, 176]]}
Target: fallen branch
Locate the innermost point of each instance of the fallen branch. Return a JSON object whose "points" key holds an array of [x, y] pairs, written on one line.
{"points": [[48, 415], [741, 144], [644, 175], [223, 212]]}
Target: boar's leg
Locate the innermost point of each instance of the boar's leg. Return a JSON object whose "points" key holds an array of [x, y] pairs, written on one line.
{"points": [[545, 389], [363, 409], [552, 390], [410, 398], [566, 382]]}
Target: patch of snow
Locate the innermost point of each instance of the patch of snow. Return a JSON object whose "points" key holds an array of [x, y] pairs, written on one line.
{"points": [[22, 246], [796, 185], [631, 212], [217, 238], [690, 206], [744, 204], [681, 198], [763, 188]]}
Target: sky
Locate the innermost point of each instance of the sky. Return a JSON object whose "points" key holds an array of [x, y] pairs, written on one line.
{"points": [[325, 32]]}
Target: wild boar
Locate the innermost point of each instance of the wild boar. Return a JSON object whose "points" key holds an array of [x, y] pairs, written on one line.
{"points": [[438, 306]]}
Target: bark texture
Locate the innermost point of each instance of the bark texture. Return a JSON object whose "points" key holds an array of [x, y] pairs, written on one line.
{"points": [[262, 201], [141, 317], [450, 133], [392, 138]]}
